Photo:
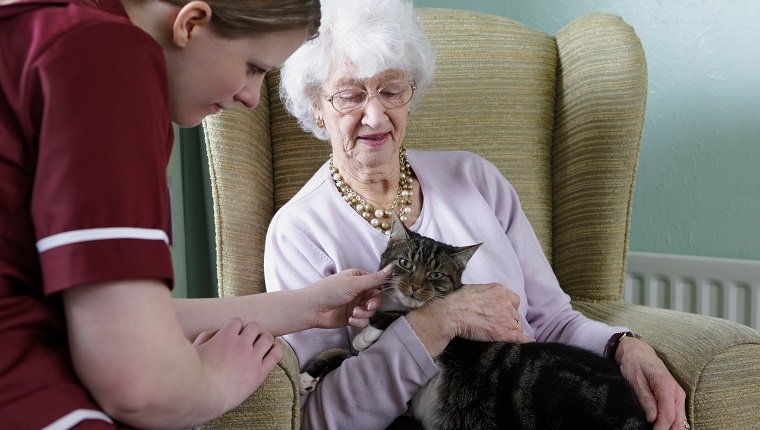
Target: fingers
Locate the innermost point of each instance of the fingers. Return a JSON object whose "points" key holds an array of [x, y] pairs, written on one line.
{"points": [[352, 272], [251, 334], [367, 307], [665, 411], [659, 394], [360, 314], [513, 335], [681, 410], [204, 337], [649, 405], [262, 341], [489, 312], [358, 322], [237, 358], [273, 356], [374, 278], [671, 400], [382, 274], [522, 338], [513, 297], [265, 349]]}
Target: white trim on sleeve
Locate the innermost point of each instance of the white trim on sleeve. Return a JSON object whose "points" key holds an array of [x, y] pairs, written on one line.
{"points": [[86, 235], [75, 417]]}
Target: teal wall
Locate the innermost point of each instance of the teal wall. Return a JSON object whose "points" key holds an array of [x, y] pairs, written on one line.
{"points": [[698, 184]]}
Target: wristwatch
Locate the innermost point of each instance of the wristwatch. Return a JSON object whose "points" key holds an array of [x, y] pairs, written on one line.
{"points": [[612, 344]]}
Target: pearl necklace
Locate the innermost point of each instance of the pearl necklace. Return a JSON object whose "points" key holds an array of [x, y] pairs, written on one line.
{"points": [[378, 217]]}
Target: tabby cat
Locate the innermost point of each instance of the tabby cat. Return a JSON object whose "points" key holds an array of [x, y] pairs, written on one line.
{"points": [[490, 385]]}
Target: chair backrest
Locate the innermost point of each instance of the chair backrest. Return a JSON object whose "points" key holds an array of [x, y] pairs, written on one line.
{"points": [[560, 116]]}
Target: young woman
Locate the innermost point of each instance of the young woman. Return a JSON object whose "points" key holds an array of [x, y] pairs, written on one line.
{"points": [[89, 334]]}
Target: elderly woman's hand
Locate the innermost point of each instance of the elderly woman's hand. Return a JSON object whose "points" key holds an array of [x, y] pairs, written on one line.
{"points": [[488, 313], [483, 312], [662, 399]]}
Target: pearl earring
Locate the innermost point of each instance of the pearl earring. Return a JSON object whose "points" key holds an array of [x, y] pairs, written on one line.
{"points": [[320, 122]]}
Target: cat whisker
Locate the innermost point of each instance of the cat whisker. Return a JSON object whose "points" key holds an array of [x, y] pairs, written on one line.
{"points": [[386, 290]]}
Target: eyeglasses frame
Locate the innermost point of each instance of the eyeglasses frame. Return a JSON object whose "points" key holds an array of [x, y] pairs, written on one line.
{"points": [[370, 94]]}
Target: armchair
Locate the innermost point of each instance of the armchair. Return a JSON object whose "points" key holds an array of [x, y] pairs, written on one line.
{"points": [[562, 117]]}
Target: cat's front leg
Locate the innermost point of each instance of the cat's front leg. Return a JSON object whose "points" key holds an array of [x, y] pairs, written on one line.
{"points": [[307, 383], [320, 366], [377, 325], [366, 338]]}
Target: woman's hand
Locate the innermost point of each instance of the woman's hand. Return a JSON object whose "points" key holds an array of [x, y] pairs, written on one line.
{"points": [[348, 297], [487, 313], [238, 357], [662, 399], [483, 312]]}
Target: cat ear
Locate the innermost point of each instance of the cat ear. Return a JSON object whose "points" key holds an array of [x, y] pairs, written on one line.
{"points": [[398, 229], [464, 253]]}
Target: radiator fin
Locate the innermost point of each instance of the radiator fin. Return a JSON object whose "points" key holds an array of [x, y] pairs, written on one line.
{"points": [[718, 287]]}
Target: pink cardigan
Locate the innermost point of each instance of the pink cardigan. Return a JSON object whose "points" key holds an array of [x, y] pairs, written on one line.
{"points": [[466, 201]]}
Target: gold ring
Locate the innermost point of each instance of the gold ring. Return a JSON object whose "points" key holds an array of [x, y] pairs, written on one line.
{"points": [[516, 325], [686, 425]]}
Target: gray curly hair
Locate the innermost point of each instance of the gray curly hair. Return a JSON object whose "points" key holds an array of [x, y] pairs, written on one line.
{"points": [[372, 36]]}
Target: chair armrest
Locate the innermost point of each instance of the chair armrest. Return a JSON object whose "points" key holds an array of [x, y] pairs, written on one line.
{"points": [[715, 360], [274, 406]]}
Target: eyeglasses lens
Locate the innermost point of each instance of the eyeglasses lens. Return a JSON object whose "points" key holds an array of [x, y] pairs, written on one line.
{"points": [[391, 96]]}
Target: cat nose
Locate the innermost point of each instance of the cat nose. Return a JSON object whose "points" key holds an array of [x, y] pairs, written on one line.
{"points": [[415, 287]]}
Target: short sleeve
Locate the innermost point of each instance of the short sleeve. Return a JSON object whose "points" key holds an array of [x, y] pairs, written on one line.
{"points": [[100, 200]]}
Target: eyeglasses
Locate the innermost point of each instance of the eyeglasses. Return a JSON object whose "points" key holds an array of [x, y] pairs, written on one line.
{"points": [[392, 96]]}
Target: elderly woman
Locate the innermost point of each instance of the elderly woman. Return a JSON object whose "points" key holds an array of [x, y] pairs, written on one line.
{"points": [[355, 85]]}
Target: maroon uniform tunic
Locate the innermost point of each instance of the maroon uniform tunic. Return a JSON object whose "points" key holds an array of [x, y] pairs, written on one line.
{"points": [[85, 138]]}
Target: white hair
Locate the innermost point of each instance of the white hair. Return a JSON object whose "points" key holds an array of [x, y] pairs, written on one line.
{"points": [[371, 35]]}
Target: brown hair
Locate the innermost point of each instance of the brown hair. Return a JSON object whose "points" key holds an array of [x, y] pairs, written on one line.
{"points": [[241, 18]]}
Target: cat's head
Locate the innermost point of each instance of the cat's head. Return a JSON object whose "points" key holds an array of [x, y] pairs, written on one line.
{"points": [[423, 268]]}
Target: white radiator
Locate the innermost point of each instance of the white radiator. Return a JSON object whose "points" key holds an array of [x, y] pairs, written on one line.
{"points": [[717, 287]]}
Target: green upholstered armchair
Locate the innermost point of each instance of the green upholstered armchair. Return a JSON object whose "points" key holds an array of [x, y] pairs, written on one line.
{"points": [[562, 117]]}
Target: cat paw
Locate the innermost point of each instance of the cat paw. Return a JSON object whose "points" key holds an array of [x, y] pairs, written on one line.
{"points": [[307, 383], [366, 338]]}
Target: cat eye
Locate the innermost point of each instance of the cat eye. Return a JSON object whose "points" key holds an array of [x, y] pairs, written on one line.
{"points": [[435, 276], [404, 263]]}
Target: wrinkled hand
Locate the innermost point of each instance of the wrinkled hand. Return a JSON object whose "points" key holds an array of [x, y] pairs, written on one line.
{"points": [[662, 399], [488, 313], [348, 297], [238, 358]]}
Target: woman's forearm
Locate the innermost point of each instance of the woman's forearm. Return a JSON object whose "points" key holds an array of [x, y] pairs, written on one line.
{"points": [[431, 325], [278, 313], [328, 303], [371, 389], [128, 350]]}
